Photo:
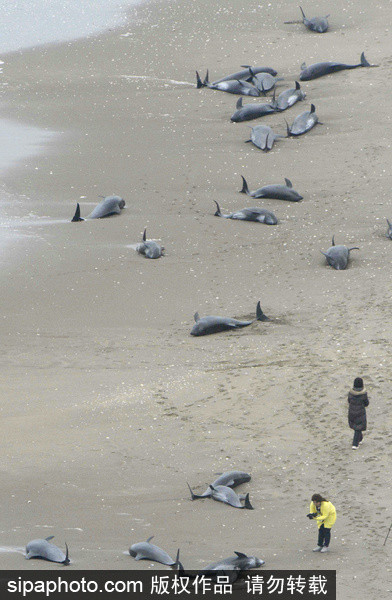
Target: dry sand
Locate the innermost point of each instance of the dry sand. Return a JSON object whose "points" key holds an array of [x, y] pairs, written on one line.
{"points": [[108, 404]]}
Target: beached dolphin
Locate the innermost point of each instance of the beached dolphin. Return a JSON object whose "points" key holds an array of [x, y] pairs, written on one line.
{"points": [[264, 82], [43, 549], [260, 215], [303, 122], [263, 137], [231, 86], [223, 493], [325, 68], [111, 205], [251, 111], [337, 256], [240, 562], [274, 191], [147, 551], [211, 324], [389, 232], [149, 248], [232, 567], [229, 478], [246, 74], [317, 24], [289, 97]]}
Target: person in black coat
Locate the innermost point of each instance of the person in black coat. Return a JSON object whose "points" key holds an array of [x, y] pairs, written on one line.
{"points": [[357, 403]]}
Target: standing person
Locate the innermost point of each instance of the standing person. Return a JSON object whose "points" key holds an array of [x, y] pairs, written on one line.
{"points": [[324, 513], [357, 402]]}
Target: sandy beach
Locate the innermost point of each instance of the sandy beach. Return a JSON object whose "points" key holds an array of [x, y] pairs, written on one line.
{"points": [[108, 405]]}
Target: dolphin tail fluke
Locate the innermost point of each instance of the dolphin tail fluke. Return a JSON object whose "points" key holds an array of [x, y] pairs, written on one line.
{"points": [[66, 560], [193, 496], [199, 83], [247, 502], [218, 210], [364, 62], [77, 216], [245, 189], [260, 316], [178, 565]]}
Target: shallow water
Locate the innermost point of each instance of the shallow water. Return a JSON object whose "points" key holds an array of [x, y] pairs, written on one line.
{"points": [[29, 23]]}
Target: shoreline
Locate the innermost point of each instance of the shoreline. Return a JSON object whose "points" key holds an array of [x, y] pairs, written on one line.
{"points": [[112, 405]]}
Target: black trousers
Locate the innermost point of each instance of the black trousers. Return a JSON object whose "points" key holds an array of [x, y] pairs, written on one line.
{"points": [[357, 437], [324, 536]]}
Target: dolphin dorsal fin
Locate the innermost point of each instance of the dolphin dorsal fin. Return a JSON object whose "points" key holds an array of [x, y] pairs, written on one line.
{"points": [[312, 108], [144, 234], [239, 103], [218, 210], [196, 317], [297, 86], [240, 554], [49, 538], [288, 182], [333, 240], [150, 538]]}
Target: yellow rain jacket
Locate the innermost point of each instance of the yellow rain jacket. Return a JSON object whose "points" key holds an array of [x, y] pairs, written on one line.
{"points": [[327, 514]]}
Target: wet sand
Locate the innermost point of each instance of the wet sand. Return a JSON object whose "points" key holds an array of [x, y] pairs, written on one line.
{"points": [[108, 404]]}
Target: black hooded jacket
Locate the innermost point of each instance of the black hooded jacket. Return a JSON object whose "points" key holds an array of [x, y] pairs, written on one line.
{"points": [[357, 402]]}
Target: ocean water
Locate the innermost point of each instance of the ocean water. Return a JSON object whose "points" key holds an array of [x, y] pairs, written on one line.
{"points": [[29, 23]]}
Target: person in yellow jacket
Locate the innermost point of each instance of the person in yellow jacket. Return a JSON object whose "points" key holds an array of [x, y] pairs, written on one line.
{"points": [[324, 512]]}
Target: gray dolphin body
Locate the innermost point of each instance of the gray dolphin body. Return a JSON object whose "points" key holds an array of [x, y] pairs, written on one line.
{"points": [[231, 86], [260, 215], [232, 567], [42, 548], [274, 191], [317, 24], [337, 256], [303, 122], [111, 205], [229, 478], [389, 232], [325, 68], [225, 494], [263, 137], [251, 111], [147, 551], [289, 97], [265, 82], [246, 74], [239, 562], [211, 324], [149, 248]]}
